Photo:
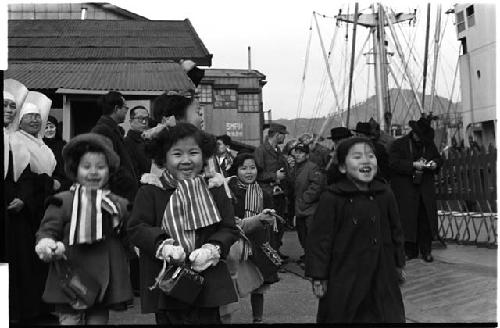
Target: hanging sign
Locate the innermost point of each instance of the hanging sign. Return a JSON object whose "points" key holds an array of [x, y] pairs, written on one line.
{"points": [[234, 129]]}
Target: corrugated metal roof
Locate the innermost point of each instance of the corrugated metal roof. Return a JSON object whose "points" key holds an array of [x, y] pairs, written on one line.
{"points": [[118, 75], [245, 79], [105, 40]]}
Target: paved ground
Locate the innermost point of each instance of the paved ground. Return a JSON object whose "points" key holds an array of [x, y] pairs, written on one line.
{"points": [[459, 286]]}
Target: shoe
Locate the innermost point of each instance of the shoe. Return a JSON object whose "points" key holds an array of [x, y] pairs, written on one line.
{"points": [[428, 258], [258, 320]]}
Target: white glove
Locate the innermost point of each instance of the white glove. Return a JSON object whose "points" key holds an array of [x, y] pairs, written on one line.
{"points": [[45, 249], [60, 249], [202, 258], [172, 253]]}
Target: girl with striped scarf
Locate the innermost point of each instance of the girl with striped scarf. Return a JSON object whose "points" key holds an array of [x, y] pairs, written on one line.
{"points": [[85, 225], [253, 209], [178, 220]]}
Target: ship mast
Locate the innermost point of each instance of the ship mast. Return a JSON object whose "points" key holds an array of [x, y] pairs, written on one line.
{"points": [[376, 23]]}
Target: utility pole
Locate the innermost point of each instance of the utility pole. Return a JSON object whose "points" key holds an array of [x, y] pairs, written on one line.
{"points": [[376, 22]]}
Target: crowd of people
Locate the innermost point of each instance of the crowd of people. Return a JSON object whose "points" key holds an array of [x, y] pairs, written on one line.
{"points": [[172, 214]]}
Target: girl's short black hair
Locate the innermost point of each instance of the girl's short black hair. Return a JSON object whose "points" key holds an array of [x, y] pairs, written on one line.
{"points": [[346, 144], [239, 160], [167, 105], [159, 145]]}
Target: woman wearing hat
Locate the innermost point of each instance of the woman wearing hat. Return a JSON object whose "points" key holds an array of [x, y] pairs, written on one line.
{"points": [[414, 159], [18, 237], [32, 120], [53, 139]]}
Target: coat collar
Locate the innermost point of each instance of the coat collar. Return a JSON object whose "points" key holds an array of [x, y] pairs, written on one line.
{"points": [[346, 186], [135, 136], [108, 121], [269, 148]]}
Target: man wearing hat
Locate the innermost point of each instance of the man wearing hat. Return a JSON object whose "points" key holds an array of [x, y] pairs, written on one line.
{"points": [[318, 154], [273, 176], [114, 109], [414, 160], [336, 135], [366, 130]]}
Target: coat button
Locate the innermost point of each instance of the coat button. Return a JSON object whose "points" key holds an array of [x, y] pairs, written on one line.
{"points": [[355, 220], [374, 241], [371, 197], [373, 218], [350, 200]]}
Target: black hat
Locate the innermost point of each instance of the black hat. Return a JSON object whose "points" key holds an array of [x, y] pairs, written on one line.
{"points": [[300, 146], [225, 139], [52, 120], [339, 133], [276, 127], [422, 128], [71, 151], [364, 128]]}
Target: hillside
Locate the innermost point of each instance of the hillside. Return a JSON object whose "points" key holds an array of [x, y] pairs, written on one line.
{"points": [[362, 112]]}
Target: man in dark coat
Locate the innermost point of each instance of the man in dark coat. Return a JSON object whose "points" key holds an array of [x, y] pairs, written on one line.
{"points": [[336, 135], [318, 154], [274, 175], [123, 182], [135, 143], [414, 160]]}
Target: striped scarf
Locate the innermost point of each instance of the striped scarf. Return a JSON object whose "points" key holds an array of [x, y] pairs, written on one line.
{"points": [[86, 215], [191, 207], [254, 203]]}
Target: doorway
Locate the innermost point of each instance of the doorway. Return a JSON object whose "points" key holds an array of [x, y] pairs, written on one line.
{"points": [[84, 116]]}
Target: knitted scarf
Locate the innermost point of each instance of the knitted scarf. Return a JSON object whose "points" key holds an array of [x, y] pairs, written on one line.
{"points": [[86, 215], [191, 207], [253, 198]]}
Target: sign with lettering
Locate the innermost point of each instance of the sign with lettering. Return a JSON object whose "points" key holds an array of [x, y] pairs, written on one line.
{"points": [[234, 129]]}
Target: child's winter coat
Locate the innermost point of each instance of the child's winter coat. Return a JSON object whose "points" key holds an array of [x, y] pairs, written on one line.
{"points": [[105, 260], [356, 243]]}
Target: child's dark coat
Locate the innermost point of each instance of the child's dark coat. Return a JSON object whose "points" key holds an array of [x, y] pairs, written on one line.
{"points": [[105, 260], [356, 243]]}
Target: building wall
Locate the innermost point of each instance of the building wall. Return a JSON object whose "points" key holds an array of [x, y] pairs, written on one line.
{"points": [[60, 11], [478, 68]]}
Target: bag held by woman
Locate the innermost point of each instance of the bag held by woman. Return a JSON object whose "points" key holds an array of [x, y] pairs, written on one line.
{"points": [[266, 258]]}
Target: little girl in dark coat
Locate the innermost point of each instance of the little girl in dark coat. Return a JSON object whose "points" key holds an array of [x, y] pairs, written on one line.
{"points": [[85, 225], [354, 252], [176, 217]]}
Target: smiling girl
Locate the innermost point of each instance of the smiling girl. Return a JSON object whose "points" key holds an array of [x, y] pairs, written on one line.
{"points": [[85, 225], [177, 219], [354, 252]]}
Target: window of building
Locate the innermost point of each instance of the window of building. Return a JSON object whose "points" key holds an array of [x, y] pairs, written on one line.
{"points": [[225, 98], [469, 11], [204, 93], [248, 103], [460, 21]]}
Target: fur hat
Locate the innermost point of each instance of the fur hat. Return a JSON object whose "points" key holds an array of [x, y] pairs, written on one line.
{"points": [[339, 133], [75, 149], [363, 128], [423, 128]]}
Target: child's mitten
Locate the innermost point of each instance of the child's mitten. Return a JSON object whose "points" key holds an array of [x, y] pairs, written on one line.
{"points": [[60, 249], [202, 258], [169, 252], [45, 248]]}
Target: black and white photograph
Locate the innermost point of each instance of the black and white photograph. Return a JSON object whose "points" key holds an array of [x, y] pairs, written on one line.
{"points": [[249, 162]]}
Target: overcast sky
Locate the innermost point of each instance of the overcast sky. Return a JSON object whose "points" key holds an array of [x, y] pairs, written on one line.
{"points": [[277, 32]]}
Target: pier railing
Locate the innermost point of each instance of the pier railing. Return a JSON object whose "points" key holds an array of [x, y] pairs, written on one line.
{"points": [[467, 197]]}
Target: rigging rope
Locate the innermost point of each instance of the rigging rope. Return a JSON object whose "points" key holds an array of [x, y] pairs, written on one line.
{"points": [[301, 95]]}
